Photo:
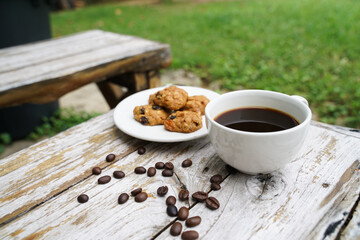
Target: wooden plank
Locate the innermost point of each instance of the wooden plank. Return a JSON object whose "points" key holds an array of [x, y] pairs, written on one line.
{"points": [[290, 203], [297, 202], [51, 166], [69, 65], [153, 79], [60, 48], [62, 217], [52, 89], [111, 92]]}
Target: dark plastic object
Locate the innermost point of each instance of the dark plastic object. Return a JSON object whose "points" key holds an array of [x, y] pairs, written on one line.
{"points": [[24, 21]]}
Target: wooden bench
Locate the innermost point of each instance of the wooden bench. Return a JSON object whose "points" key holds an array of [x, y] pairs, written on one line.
{"points": [[42, 72]]}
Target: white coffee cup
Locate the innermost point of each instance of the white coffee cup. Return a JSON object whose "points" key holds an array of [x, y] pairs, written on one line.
{"points": [[257, 152]]}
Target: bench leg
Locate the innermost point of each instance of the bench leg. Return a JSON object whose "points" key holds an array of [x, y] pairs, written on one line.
{"points": [[134, 82]]}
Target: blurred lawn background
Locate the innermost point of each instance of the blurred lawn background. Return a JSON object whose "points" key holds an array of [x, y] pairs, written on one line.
{"points": [[304, 47]]}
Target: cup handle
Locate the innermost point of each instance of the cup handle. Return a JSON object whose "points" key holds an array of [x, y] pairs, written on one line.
{"points": [[301, 99]]}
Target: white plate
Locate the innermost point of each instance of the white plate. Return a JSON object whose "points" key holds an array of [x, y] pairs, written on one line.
{"points": [[124, 118]]}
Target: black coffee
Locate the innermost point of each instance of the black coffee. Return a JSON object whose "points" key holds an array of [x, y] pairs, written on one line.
{"points": [[253, 119]]}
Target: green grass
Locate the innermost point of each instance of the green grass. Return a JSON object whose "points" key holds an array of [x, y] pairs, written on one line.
{"points": [[310, 48]]}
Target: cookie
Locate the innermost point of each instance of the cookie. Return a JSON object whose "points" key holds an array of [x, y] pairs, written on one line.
{"points": [[183, 121], [150, 115], [172, 98], [196, 104], [151, 99]]}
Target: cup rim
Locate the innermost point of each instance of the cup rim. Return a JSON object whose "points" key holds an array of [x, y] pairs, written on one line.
{"points": [[301, 124]]}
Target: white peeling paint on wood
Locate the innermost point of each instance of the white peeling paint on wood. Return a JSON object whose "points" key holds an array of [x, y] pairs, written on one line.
{"points": [[292, 204], [68, 64]]}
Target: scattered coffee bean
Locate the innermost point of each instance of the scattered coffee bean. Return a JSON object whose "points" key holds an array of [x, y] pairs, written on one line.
{"points": [[151, 171], [172, 210], [200, 196], [167, 173], [104, 179], [212, 203], [140, 170], [118, 174], [162, 191], [136, 192], [186, 163], [141, 150], [110, 157], [159, 165], [140, 197], [215, 186], [123, 198], [169, 165], [176, 229], [171, 200], [190, 235], [193, 221], [183, 213], [184, 194], [96, 170], [83, 198], [216, 179]]}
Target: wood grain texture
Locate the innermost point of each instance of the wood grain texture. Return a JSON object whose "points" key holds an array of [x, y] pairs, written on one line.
{"points": [[45, 71], [310, 198], [51, 166]]}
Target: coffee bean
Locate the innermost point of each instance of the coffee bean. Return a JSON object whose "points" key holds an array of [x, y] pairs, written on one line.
{"points": [[167, 173], [215, 186], [216, 179], [159, 165], [96, 170], [110, 157], [190, 235], [140, 197], [104, 179], [172, 210], [184, 194], [123, 198], [140, 170], [151, 171], [141, 150], [118, 174], [176, 229], [162, 191], [83, 198], [200, 196], [212, 203], [193, 221], [171, 200], [169, 165], [183, 213], [186, 163], [136, 192]]}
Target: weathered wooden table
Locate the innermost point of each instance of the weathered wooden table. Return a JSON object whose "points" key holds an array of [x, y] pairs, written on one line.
{"points": [[314, 197], [42, 72]]}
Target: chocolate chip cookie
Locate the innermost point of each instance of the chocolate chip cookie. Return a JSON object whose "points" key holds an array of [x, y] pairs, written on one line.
{"points": [[196, 104], [183, 121], [150, 115], [172, 98]]}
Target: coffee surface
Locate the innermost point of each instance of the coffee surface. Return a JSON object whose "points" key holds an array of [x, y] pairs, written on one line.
{"points": [[256, 119]]}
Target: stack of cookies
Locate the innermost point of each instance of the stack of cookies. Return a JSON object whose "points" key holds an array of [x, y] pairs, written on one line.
{"points": [[173, 108]]}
